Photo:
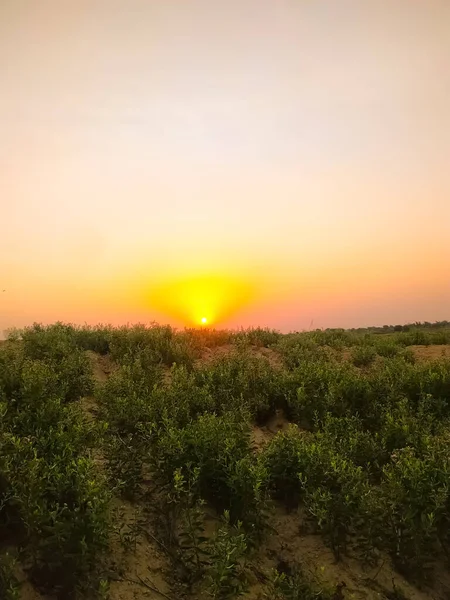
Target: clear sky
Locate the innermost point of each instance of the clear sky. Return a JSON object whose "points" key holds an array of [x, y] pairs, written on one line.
{"points": [[254, 162]]}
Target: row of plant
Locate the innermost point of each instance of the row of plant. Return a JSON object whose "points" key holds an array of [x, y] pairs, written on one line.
{"points": [[53, 501], [369, 463], [372, 469]]}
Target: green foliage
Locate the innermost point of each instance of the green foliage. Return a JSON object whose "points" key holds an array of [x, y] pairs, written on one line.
{"points": [[363, 356], [62, 505], [315, 388], [229, 476], [206, 337], [329, 485], [9, 586], [282, 459], [295, 348], [182, 399], [52, 492], [257, 336], [414, 496], [47, 353], [388, 348], [129, 416], [241, 379], [151, 345], [226, 552], [333, 487], [97, 338], [296, 585], [367, 459], [349, 437], [186, 524]]}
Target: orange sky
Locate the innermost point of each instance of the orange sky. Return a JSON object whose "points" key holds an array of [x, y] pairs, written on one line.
{"points": [[251, 162]]}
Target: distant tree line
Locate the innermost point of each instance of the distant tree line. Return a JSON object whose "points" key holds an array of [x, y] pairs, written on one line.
{"points": [[406, 327]]}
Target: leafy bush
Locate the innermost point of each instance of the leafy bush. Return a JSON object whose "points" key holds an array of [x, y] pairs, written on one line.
{"points": [[257, 336], [9, 586], [152, 345], [62, 505], [349, 437], [296, 348], [282, 459], [228, 475], [297, 585], [414, 499], [387, 349], [323, 387], [242, 380], [51, 349], [363, 356], [97, 339], [226, 575], [329, 485], [51, 490]]}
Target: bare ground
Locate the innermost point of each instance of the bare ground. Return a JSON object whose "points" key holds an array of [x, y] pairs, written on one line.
{"points": [[431, 352], [210, 354], [291, 544]]}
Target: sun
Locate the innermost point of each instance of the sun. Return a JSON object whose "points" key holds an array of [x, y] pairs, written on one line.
{"points": [[204, 320]]}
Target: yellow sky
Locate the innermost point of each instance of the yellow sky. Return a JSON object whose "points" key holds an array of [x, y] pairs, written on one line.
{"points": [[263, 163]]}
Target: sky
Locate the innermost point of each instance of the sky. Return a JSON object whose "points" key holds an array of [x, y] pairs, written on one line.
{"points": [[250, 162]]}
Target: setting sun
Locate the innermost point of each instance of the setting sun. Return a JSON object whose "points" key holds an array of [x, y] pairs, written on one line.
{"points": [[188, 300]]}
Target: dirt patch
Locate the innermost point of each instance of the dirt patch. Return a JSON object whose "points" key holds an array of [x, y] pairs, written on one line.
{"points": [[89, 407], [260, 436], [136, 558], [430, 352], [211, 354], [102, 365], [291, 544], [26, 590], [272, 356]]}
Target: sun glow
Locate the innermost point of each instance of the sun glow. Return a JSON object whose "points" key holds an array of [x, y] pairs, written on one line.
{"points": [[202, 299]]}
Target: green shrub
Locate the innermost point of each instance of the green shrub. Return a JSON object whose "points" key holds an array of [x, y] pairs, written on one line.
{"points": [[387, 349], [9, 586], [257, 336], [35, 367], [226, 576], [332, 490], [296, 348], [97, 339], [219, 446], [207, 337], [414, 502], [63, 507], [151, 345], [182, 399], [328, 484], [125, 397], [328, 387], [363, 356], [297, 585], [349, 437], [242, 380], [282, 460]]}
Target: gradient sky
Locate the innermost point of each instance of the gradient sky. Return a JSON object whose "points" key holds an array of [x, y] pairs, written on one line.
{"points": [[272, 162]]}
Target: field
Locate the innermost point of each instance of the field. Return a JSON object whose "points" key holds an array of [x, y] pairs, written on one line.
{"points": [[144, 462]]}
